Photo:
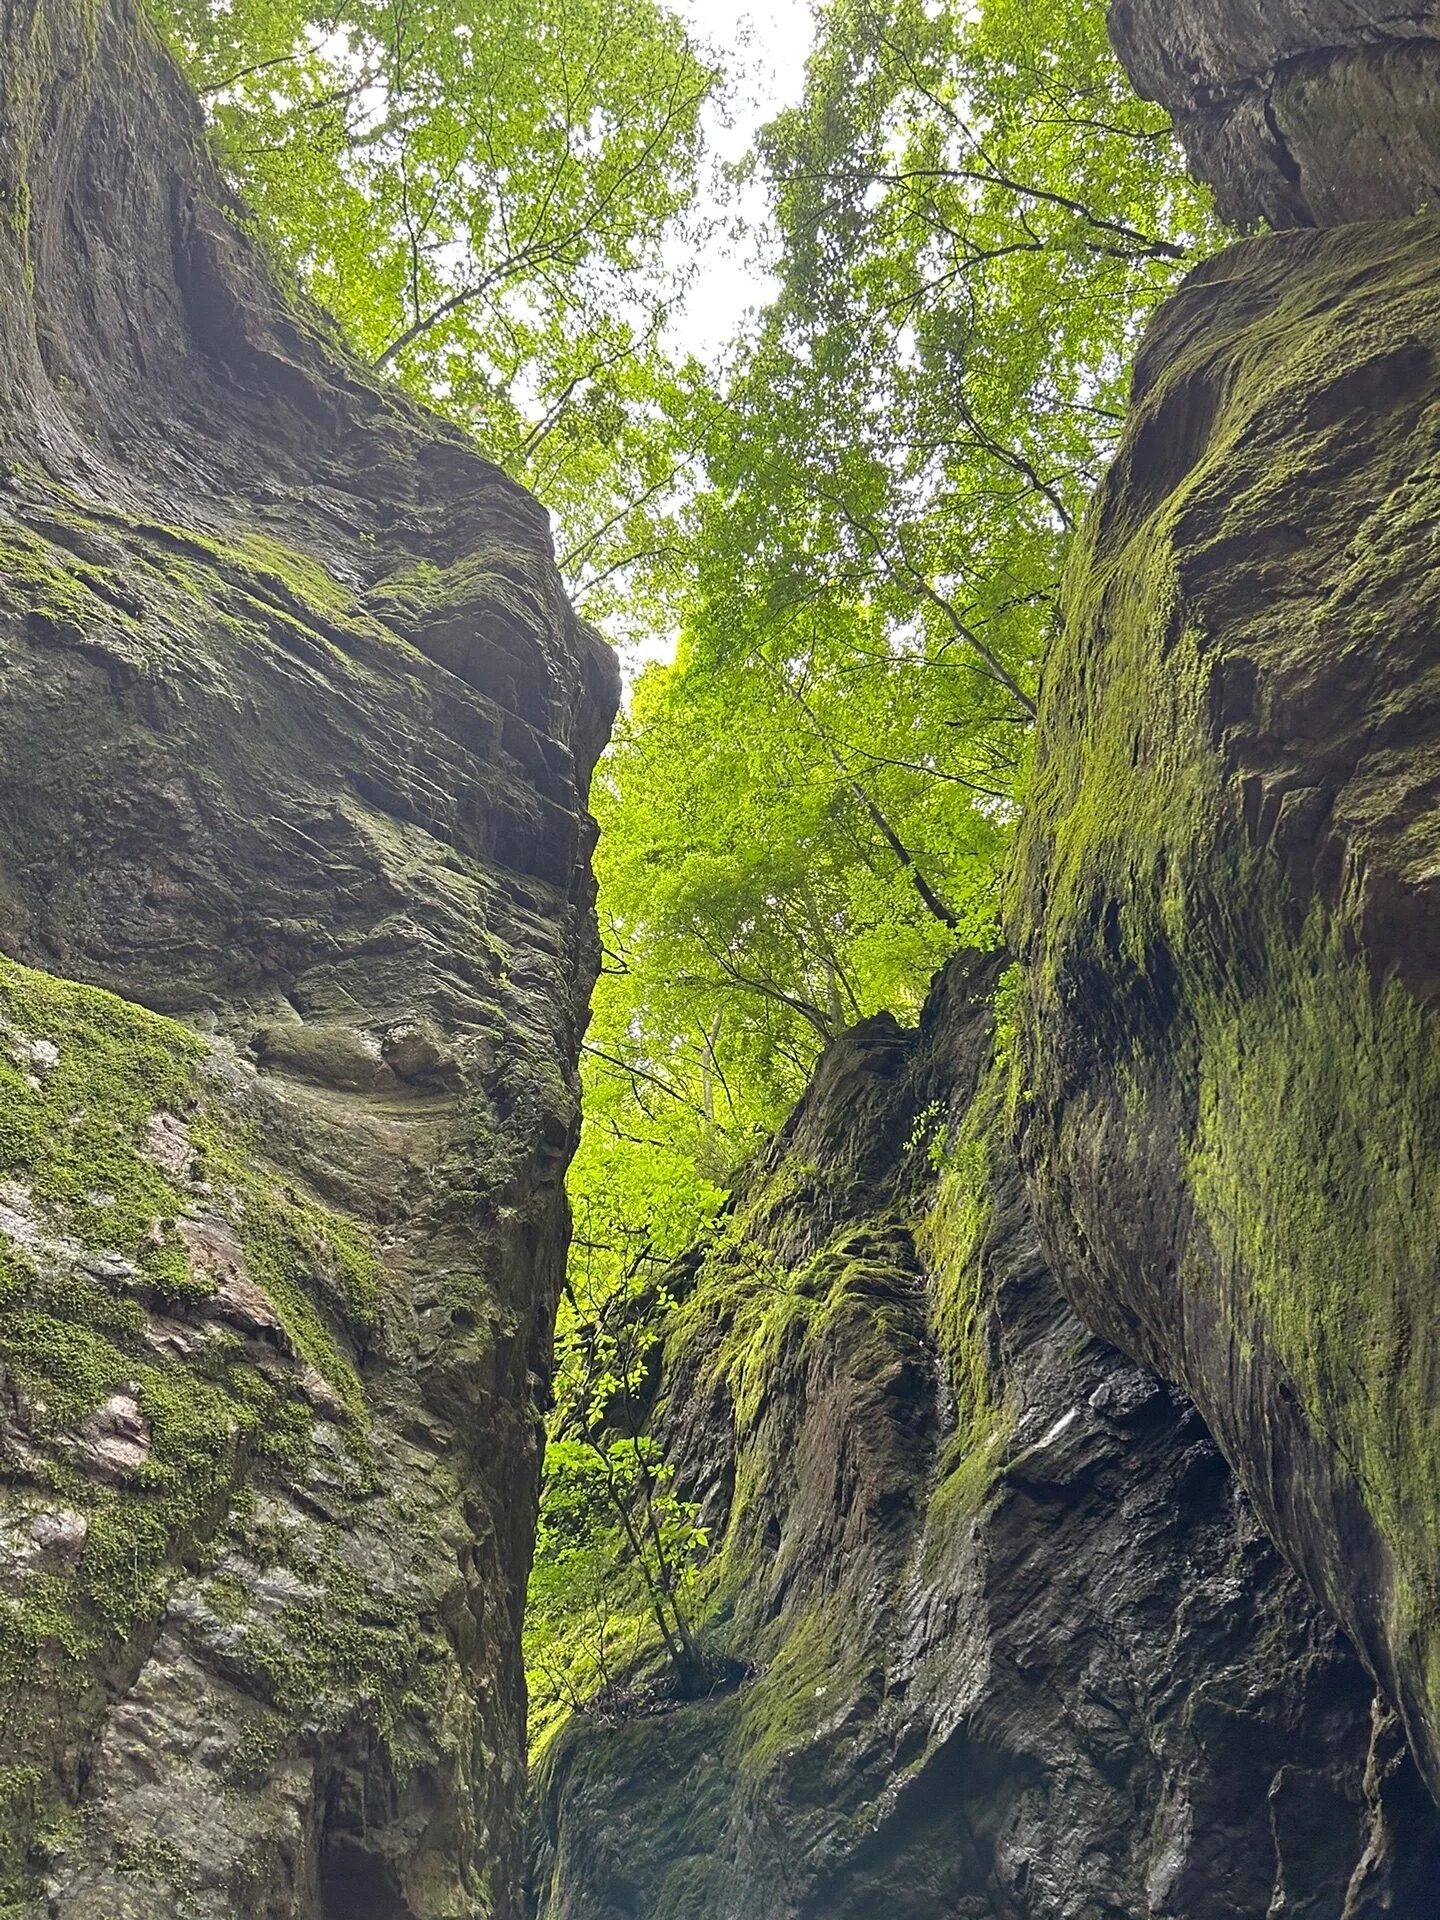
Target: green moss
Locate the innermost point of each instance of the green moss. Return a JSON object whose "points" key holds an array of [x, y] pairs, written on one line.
{"points": [[256, 1752], [152, 1858], [1314, 1165], [18, 1784], [180, 602], [74, 1132], [952, 1238], [1303, 1081], [82, 1077], [1008, 1054], [286, 570], [814, 1675], [262, 1741], [37, 1627], [204, 1436], [348, 1647], [404, 599], [763, 1310], [296, 1250]]}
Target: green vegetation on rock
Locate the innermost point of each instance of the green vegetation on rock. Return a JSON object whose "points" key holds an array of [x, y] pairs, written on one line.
{"points": [[810, 809], [133, 1415], [1228, 1006]]}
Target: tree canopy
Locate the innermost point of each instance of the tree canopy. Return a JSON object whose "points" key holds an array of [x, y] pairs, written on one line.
{"points": [[810, 808]]}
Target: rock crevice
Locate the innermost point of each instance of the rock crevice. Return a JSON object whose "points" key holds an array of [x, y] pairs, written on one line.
{"points": [[1014, 1642], [1297, 112]]}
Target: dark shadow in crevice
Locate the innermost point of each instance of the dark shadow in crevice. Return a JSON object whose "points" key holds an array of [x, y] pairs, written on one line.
{"points": [[356, 1884]]}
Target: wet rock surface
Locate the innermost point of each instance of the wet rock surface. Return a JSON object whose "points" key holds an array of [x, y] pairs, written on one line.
{"points": [[1015, 1642], [295, 735], [1227, 890], [1298, 112]]}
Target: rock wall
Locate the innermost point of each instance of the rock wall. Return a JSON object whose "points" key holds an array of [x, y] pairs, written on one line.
{"points": [[1298, 112], [1226, 892], [1004, 1636], [295, 731], [1004, 1639]]}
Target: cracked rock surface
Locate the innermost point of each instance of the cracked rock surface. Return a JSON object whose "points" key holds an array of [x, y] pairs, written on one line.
{"points": [[296, 925], [1005, 1639], [1298, 112]]}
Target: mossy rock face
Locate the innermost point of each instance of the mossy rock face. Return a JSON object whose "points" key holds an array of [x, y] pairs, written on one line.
{"points": [[196, 1503], [994, 1630], [1227, 899], [295, 737]]}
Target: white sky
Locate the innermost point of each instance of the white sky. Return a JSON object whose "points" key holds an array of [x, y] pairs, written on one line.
{"points": [[763, 48]]}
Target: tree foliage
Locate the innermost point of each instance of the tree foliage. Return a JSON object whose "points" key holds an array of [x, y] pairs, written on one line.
{"points": [[811, 807], [618, 1550], [486, 195], [806, 812]]}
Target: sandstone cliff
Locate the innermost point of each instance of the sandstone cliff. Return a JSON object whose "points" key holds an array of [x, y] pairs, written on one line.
{"points": [[1229, 883], [1298, 112], [295, 731], [296, 937], [1226, 898]]}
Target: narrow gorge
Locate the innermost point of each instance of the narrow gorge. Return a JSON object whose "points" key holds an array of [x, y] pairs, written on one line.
{"points": [[1052, 1404]]}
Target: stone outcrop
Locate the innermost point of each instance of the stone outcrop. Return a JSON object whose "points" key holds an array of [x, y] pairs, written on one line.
{"points": [[1226, 890], [295, 946], [1003, 1634], [998, 1635], [1228, 896], [1298, 112], [295, 731]]}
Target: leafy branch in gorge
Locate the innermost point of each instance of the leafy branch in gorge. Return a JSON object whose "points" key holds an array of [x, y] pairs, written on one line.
{"points": [[617, 1552], [482, 192]]}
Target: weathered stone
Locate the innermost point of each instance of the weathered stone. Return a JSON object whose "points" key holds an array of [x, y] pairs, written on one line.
{"points": [[1010, 1640], [1297, 112], [295, 742], [57, 1537], [414, 1051], [333, 1055], [168, 1144], [1228, 898], [114, 1442]]}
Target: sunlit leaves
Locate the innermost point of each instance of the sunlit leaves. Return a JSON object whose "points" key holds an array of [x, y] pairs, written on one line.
{"points": [[481, 192], [811, 808]]}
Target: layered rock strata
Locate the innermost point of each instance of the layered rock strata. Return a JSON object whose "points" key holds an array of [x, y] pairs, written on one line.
{"points": [[1298, 112], [295, 731], [996, 1635], [1228, 900]]}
